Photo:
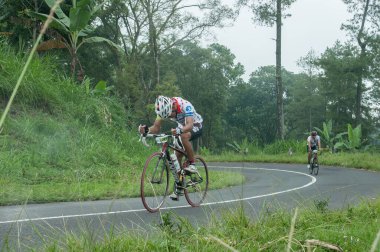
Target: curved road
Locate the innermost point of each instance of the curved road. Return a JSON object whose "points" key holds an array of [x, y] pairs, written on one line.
{"points": [[268, 186]]}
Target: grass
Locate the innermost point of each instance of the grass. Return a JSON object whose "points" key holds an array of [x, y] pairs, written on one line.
{"points": [[362, 160], [59, 135], [305, 229], [46, 159], [62, 144]]}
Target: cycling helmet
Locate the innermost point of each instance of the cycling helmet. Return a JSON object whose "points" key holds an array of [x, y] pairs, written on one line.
{"points": [[163, 106], [313, 133]]}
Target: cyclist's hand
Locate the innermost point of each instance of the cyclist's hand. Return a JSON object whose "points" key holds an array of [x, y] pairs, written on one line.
{"points": [[176, 131]]}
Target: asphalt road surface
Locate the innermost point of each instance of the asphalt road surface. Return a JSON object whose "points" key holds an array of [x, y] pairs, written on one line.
{"points": [[267, 187]]}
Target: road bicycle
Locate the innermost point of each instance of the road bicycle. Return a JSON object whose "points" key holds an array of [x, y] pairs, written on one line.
{"points": [[314, 167], [154, 186]]}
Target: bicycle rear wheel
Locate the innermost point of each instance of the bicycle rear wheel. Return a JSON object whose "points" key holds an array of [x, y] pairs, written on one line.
{"points": [[154, 182], [197, 184]]}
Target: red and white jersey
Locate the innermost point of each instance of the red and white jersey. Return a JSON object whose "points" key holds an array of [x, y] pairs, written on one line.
{"points": [[186, 109]]}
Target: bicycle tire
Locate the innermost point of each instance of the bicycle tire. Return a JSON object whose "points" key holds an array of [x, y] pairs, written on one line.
{"points": [[154, 182], [196, 190], [311, 168], [315, 167]]}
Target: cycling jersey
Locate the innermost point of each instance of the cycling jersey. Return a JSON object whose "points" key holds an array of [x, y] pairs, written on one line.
{"points": [[186, 109], [313, 142]]}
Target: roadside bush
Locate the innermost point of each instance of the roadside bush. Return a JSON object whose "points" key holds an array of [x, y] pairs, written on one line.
{"points": [[284, 146], [45, 89]]}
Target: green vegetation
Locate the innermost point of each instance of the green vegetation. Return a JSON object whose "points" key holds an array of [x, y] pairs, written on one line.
{"points": [[59, 135], [352, 229], [74, 138], [363, 160], [56, 143]]}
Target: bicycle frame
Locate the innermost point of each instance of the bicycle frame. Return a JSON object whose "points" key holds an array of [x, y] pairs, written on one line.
{"points": [[166, 145], [315, 154], [314, 168], [194, 185]]}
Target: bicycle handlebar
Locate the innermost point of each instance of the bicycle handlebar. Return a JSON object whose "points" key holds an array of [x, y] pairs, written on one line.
{"points": [[144, 136]]}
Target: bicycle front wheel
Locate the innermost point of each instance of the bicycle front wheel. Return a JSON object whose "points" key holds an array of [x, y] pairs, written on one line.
{"points": [[154, 182], [315, 167], [311, 168], [197, 184]]}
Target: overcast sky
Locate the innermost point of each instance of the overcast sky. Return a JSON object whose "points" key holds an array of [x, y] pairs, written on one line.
{"points": [[314, 24]]}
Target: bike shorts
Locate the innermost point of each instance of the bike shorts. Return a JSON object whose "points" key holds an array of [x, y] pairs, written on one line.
{"points": [[195, 133], [312, 148]]}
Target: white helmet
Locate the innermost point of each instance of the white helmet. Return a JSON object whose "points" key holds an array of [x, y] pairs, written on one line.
{"points": [[163, 106]]}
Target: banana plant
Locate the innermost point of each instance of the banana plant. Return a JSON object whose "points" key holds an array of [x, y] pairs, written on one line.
{"points": [[354, 139], [73, 30], [241, 149], [327, 135]]}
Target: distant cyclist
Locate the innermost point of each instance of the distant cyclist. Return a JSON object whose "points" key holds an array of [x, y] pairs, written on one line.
{"points": [[189, 127], [313, 143]]}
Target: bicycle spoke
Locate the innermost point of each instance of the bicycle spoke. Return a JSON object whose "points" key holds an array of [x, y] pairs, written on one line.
{"points": [[154, 182], [197, 185]]}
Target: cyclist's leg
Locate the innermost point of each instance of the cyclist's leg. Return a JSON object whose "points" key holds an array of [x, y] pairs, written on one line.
{"points": [[186, 138], [194, 134], [311, 152], [179, 157], [316, 156]]}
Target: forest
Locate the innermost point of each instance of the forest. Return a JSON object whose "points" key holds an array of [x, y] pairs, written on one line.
{"points": [[134, 50], [77, 78]]}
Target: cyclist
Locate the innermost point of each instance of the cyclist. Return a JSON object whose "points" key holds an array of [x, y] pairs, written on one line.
{"points": [[313, 143], [189, 127]]}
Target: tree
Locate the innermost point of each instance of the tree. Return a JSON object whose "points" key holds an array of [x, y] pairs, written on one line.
{"points": [[73, 30], [204, 76], [306, 105], [270, 12], [339, 77], [16, 25], [155, 26], [252, 106], [362, 27]]}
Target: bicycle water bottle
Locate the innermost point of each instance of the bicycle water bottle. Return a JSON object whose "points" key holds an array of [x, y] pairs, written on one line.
{"points": [[175, 162]]}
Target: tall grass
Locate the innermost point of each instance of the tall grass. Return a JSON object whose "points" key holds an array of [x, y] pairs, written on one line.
{"points": [[310, 229]]}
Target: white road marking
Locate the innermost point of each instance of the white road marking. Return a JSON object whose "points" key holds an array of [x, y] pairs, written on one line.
{"points": [[313, 180]]}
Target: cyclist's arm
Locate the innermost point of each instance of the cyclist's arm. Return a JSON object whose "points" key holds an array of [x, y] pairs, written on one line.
{"points": [[189, 124], [309, 144], [155, 128]]}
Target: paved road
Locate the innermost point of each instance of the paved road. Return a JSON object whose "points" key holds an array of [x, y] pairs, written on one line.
{"points": [[267, 186]]}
